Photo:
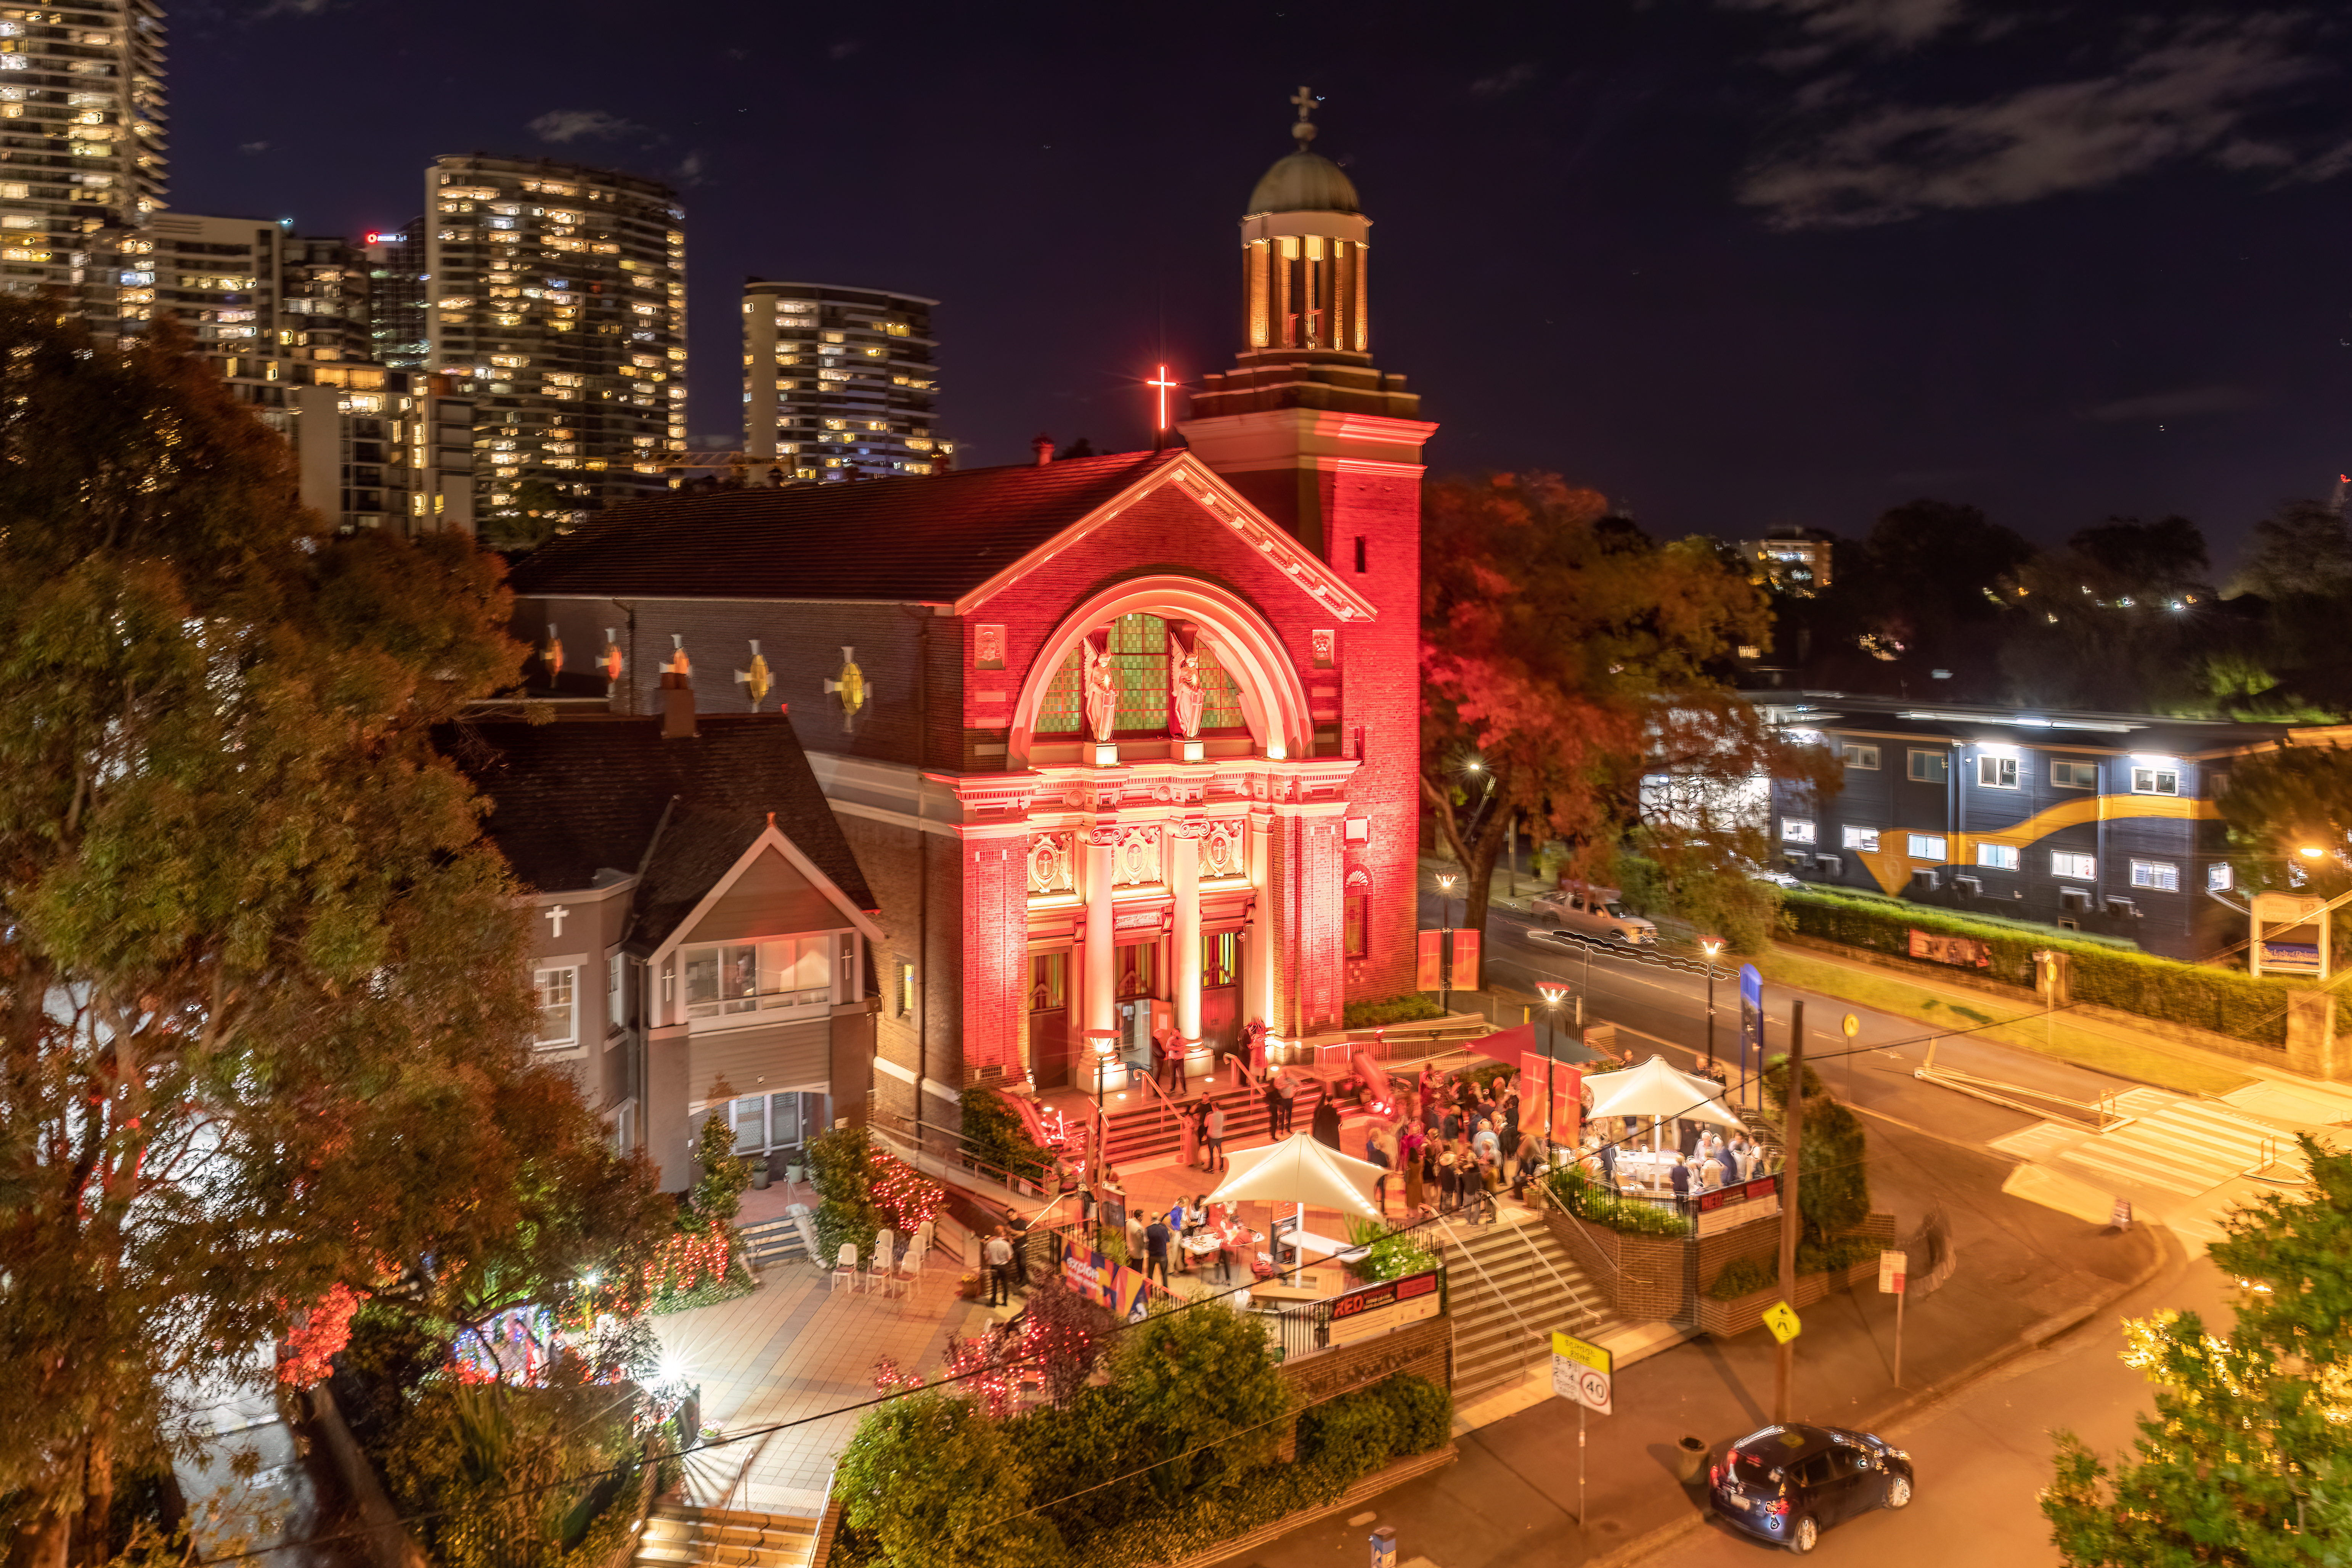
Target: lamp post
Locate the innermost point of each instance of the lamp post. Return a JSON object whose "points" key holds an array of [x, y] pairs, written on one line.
{"points": [[1710, 945], [1551, 995], [1105, 1042], [1445, 942]]}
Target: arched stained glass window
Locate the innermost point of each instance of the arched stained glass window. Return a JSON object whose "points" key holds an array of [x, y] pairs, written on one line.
{"points": [[1062, 711], [1138, 658], [1221, 708], [1138, 651]]}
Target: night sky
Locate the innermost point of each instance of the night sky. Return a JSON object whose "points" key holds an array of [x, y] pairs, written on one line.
{"points": [[1735, 264]]}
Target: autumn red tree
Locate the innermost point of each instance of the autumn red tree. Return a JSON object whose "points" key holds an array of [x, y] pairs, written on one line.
{"points": [[1565, 658]]}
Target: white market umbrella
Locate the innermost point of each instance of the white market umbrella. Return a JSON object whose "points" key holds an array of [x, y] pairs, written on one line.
{"points": [[1653, 1089], [1298, 1170]]}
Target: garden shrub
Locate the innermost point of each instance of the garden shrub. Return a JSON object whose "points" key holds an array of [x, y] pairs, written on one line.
{"points": [[495, 1471], [994, 1133], [2103, 971], [1348, 1437], [1200, 1382], [841, 1165], [1833, 1188], [1389, 1254], [1422, 1410], [1745, 1276], [937, 1485], [1581, 1196], [1411, 1007]]}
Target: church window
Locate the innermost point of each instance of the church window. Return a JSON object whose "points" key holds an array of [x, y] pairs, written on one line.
{"points": [[1359, 552], [1222, 707], [1059, 713], [1358, 919], [1139, 656]]}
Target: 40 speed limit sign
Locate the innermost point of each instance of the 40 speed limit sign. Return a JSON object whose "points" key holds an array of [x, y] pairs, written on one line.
{"points": [[1580, 1371]]}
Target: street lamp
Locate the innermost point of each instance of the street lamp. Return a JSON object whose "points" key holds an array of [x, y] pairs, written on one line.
{"points": [[1712, 945], [2311, 851], [1104, 1041], [1445, 940], [1552, 996]]}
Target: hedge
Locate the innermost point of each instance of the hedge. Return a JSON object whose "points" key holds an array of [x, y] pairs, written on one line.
{"points": [[1410, 1008], [2221, 1000]]}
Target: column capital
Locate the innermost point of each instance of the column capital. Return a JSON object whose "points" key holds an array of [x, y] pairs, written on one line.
{"points": [[1189, 827], [1102, 838]]}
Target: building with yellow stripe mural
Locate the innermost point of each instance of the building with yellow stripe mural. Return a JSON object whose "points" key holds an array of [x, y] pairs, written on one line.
{"points": [[2102, 823]]}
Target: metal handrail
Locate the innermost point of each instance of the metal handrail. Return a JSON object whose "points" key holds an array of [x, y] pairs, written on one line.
{"points": [[1464, 1248], [1591, 1316]]}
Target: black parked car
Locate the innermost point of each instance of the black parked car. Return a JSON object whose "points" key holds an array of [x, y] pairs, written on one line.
{"points": [[1788, 1484]]}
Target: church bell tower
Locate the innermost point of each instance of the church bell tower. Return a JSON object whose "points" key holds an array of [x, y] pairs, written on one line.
{"points": [[1323, 442]]}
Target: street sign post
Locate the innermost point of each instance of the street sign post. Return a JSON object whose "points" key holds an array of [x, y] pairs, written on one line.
{"points": [[1892, 1267], [1580, 1371], [1781, 1318], [1751, 1025], [1852, 1025]]}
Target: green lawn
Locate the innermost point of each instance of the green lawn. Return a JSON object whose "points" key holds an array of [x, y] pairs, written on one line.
{"points": [[2100, 1052]]}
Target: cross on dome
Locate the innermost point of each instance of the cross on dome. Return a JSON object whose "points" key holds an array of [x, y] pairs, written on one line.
{"points": [[1304, 129]]}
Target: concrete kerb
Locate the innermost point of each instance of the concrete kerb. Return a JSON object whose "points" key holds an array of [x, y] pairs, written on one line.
{"points": [[2054, 1326]]}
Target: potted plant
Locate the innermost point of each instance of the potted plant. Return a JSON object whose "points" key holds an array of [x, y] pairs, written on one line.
{"points": [[759, 1175]]}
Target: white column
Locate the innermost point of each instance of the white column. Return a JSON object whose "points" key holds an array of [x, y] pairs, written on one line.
{"points": [[1184, 883], [1101, 1009]]}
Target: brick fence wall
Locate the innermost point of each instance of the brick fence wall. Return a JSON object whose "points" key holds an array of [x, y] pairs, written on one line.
{"points": [[1425, 1349]]}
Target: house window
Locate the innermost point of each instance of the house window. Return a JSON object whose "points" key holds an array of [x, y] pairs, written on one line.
{"points": [[558, 1005], [1048, 982], [1925, 846], [1359, 554], [1996, 772], [1998, 856], [1862, 757], [751, 976], [1796, 830], [616, 992], [2075, 775], [1220, 959], [2161, 875], [906, 989], [2219, 876], [1359, 922], [2066, 863], [1862, 838], [1138, 966], [2156, 781], [1929, 767], [763, 1121]]}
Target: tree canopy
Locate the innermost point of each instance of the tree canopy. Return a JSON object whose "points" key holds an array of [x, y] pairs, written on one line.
{"points": [[1565, 657], [2247, 1457], [267, 1020]]}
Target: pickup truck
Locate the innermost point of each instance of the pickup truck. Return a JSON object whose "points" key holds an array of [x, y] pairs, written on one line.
{"points": [[1592, 912]]}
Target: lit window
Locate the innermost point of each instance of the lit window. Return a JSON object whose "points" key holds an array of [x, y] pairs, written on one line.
{"points": [[1862, 838], [1865, 758], [558, 1006], [748, 976], [2219, 876], [1998, 856], [1796, 830], [2156, 781], [2075, 775], [1925, 846], [2066, 863], [906, 989], [2162, 876], [1929, 767], [1359, 920], [1996, 772], [615, 1008]]}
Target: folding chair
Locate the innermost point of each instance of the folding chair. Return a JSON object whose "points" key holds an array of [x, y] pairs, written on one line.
{"points": [[845, 1265], [884, 1261]]}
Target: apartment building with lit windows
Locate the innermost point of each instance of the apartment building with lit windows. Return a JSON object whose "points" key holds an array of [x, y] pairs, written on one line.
{"points": [[555, 299], [839, 383], [82, 139], [395, 269], [2104, 823], [374, 447]]}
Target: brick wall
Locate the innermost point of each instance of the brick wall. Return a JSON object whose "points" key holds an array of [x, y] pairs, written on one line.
{"points": [[894, 868], [995, 952], [1647, 1278], [1425, 1349]]}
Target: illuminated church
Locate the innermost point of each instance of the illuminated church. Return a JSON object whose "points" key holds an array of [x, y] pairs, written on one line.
{"points": [[1114, 740]]}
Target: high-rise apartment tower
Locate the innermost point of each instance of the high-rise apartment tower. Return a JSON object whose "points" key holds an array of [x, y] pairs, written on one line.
{"points": [[838, 382], [555, 296], [82, 152]]}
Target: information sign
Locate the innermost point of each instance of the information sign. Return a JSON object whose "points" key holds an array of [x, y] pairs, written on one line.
{"points": [[1375, 1310], [1891, 1266], [1582, 1371]]}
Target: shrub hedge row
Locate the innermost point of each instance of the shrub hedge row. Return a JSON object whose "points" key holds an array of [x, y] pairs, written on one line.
{"points": [[1390, 1010], [2221, 1000]]}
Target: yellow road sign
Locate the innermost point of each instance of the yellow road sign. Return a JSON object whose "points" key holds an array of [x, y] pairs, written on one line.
{"points": [[1781, 1318], [1580, 1351], [1852, 1025]]}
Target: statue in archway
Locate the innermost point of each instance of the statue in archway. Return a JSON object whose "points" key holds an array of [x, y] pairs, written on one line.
{"points": [[1187, 696], [1102, 690]]}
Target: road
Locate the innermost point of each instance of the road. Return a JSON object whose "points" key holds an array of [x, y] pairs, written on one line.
{"points": [[1983, 1455]]}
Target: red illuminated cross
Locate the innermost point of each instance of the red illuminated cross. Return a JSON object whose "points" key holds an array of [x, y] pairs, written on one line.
{"points": [[1163, 384]]}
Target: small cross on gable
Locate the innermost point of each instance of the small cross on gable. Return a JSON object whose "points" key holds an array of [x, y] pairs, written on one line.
{"points": [[556, 916]]}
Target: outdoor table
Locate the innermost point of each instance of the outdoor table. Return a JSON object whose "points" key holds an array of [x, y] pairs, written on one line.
{"points": [[1651, 1171]]}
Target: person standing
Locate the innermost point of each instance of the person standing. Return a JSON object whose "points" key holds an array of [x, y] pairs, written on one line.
{"points": [[1215, 1126], [1258, 1032], [1134, 1239], [1326, 1126], [1155, 1251], [1188, 1134], [998, 1255], [1374, 1153], [1680, 1172], [1488, 1144], [1289, 1105]]}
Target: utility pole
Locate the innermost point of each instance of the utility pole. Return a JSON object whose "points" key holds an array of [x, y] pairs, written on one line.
{"points": [[1784, 1364]]}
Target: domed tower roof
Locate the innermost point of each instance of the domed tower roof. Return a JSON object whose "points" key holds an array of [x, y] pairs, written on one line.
{"points": [[1304, 181]]}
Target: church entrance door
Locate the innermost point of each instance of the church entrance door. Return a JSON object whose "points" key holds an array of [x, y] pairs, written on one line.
{"points": [[1049, 1019], [1221, 990]]}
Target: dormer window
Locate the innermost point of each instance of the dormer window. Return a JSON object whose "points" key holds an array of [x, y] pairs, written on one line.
{"points": [[730, 977]]}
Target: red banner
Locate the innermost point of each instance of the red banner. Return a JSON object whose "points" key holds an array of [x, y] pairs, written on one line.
{"points": [[1567, 1103], [1535, 1093], [1466, 960], [1966, 951], [1428, 971]]}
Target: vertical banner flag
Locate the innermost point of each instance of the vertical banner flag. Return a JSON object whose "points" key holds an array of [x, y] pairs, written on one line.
{"points": [[1465, 960], [1426, 976], [1751, 1018], [1535, 1091], [1567, 1103], [1104, 1282]]}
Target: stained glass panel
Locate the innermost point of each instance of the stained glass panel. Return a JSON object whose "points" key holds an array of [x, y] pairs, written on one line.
{"points": [[1060, 714], [1138, 657]]}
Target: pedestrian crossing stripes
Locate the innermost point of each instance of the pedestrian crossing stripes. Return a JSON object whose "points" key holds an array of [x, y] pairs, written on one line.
{"points": [[2039, 1141], [2174, 1144]]}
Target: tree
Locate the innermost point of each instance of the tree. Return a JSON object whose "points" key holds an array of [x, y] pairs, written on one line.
{"points": [[1564, 657], [1833, 1156], [265, 1027], [718, 1191], [940, 1486], [2247, 1455], [841, 1168], [531, 517], [2281, 802], [1202, 1389]]}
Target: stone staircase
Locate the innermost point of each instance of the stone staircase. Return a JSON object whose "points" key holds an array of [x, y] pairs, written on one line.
{"points": [[1505, 1301], [1149, 1132], [677, 1536]]}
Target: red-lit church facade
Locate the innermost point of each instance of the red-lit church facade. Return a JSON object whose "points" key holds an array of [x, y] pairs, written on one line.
{"points": [[1115, 739]]}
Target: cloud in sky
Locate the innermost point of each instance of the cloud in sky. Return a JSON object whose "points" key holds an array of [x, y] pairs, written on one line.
{"points": [[576, 125], [1504, 83], [2174, 94], [2171, 405], [252, 147]]}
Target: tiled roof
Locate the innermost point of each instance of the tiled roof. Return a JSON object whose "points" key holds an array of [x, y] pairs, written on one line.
{"points": [[591, 794], [921, 540]]}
